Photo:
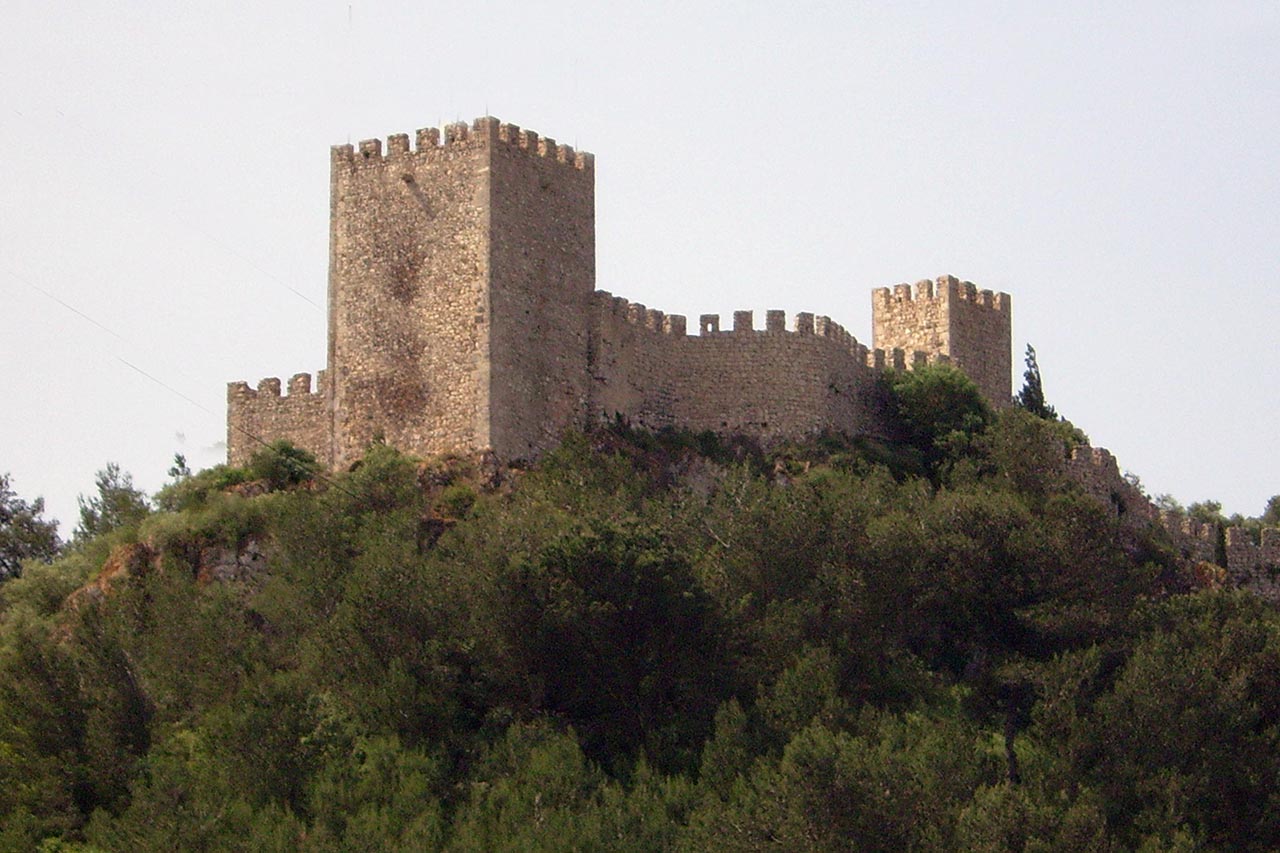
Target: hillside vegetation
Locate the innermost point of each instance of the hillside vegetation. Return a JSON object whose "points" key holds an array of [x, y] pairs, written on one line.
{"points": [[642, 642]]}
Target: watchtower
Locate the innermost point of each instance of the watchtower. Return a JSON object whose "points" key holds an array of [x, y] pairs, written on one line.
{"points": [[460, 281], [951, 318]]}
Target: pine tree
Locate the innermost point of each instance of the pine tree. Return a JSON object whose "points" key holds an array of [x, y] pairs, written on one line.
{"points": [[1031, 397]]}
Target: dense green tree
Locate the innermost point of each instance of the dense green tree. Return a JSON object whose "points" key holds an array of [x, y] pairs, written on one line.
{"points": [[607, 627], [1271, 513], [646, 641], [939, 412], [116, 504], [24, 534]]}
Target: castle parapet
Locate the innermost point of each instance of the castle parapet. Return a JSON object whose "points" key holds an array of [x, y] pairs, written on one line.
{"points": [[1245, 557], [483, 131], [259, 416], [947, 288], [299, 385]]}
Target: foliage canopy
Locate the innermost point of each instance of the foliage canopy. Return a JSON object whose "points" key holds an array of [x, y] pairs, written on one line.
{"points": [[646, 641]]}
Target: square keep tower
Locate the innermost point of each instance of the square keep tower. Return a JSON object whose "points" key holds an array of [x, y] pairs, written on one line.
{"points": [[952, 318]]}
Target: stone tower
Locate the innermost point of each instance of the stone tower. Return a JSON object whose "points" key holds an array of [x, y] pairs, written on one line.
{"points": [[954, 319], [460, 281]]}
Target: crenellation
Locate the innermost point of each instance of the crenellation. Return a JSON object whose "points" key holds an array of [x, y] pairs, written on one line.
{"points": [[269, 386], [299, 383], [653, 319], [675, 325], [709, 324], [903, 292], [635, 313], [897, 359], [743, 322], [426, 139], [398, 145], [456, 133], [775, 321], [924, 289], [919, 360], [371, 149], [804, 323]]}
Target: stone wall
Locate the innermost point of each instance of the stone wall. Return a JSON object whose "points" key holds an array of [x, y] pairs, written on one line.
{"points": [[408, 293], [770, 383], [542, 276], [1255, 566], [951, 317], [1196, 541], [1096, 472], [257, 417]]}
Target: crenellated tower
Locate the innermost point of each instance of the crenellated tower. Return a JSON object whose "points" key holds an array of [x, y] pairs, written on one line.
{"points": [[460, 277], [952, 318]]}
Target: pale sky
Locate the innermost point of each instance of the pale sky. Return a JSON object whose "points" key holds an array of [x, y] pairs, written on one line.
{"points": [[1112, 166]]}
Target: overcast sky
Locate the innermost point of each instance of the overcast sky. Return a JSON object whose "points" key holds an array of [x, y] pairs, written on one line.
{"points": [[164, 195]]}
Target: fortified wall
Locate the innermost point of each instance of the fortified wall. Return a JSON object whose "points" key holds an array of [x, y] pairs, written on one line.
{"points": [[1250, 564], [463, 316]]}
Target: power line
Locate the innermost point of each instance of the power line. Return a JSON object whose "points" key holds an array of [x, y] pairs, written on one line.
{"points": [[166, 386]]}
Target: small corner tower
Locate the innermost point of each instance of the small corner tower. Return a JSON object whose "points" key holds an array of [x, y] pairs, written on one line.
{"points": [[952, 318], [460, 280]]}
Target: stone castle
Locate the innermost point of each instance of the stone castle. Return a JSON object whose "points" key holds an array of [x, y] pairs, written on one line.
{"points": [[463, 317]]}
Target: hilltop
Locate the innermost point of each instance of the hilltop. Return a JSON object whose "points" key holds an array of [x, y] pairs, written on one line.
{"points": [[645, 640]]}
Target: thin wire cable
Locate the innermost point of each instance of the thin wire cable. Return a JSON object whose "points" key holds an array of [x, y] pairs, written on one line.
{"points": [[166, 386]]}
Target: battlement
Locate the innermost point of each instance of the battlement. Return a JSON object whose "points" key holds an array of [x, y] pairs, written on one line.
{"points": [[947, 288], [1243, 552], [805, 325], [299, 386], [459, 136]]}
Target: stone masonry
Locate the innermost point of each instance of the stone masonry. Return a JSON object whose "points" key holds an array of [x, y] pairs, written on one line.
{"points": [[463, 317]]}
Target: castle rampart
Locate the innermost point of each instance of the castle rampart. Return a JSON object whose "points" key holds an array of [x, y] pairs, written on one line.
{"points": [[263, 415]]}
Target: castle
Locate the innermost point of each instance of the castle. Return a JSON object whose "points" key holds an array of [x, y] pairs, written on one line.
{"points": [[463, 317]]}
